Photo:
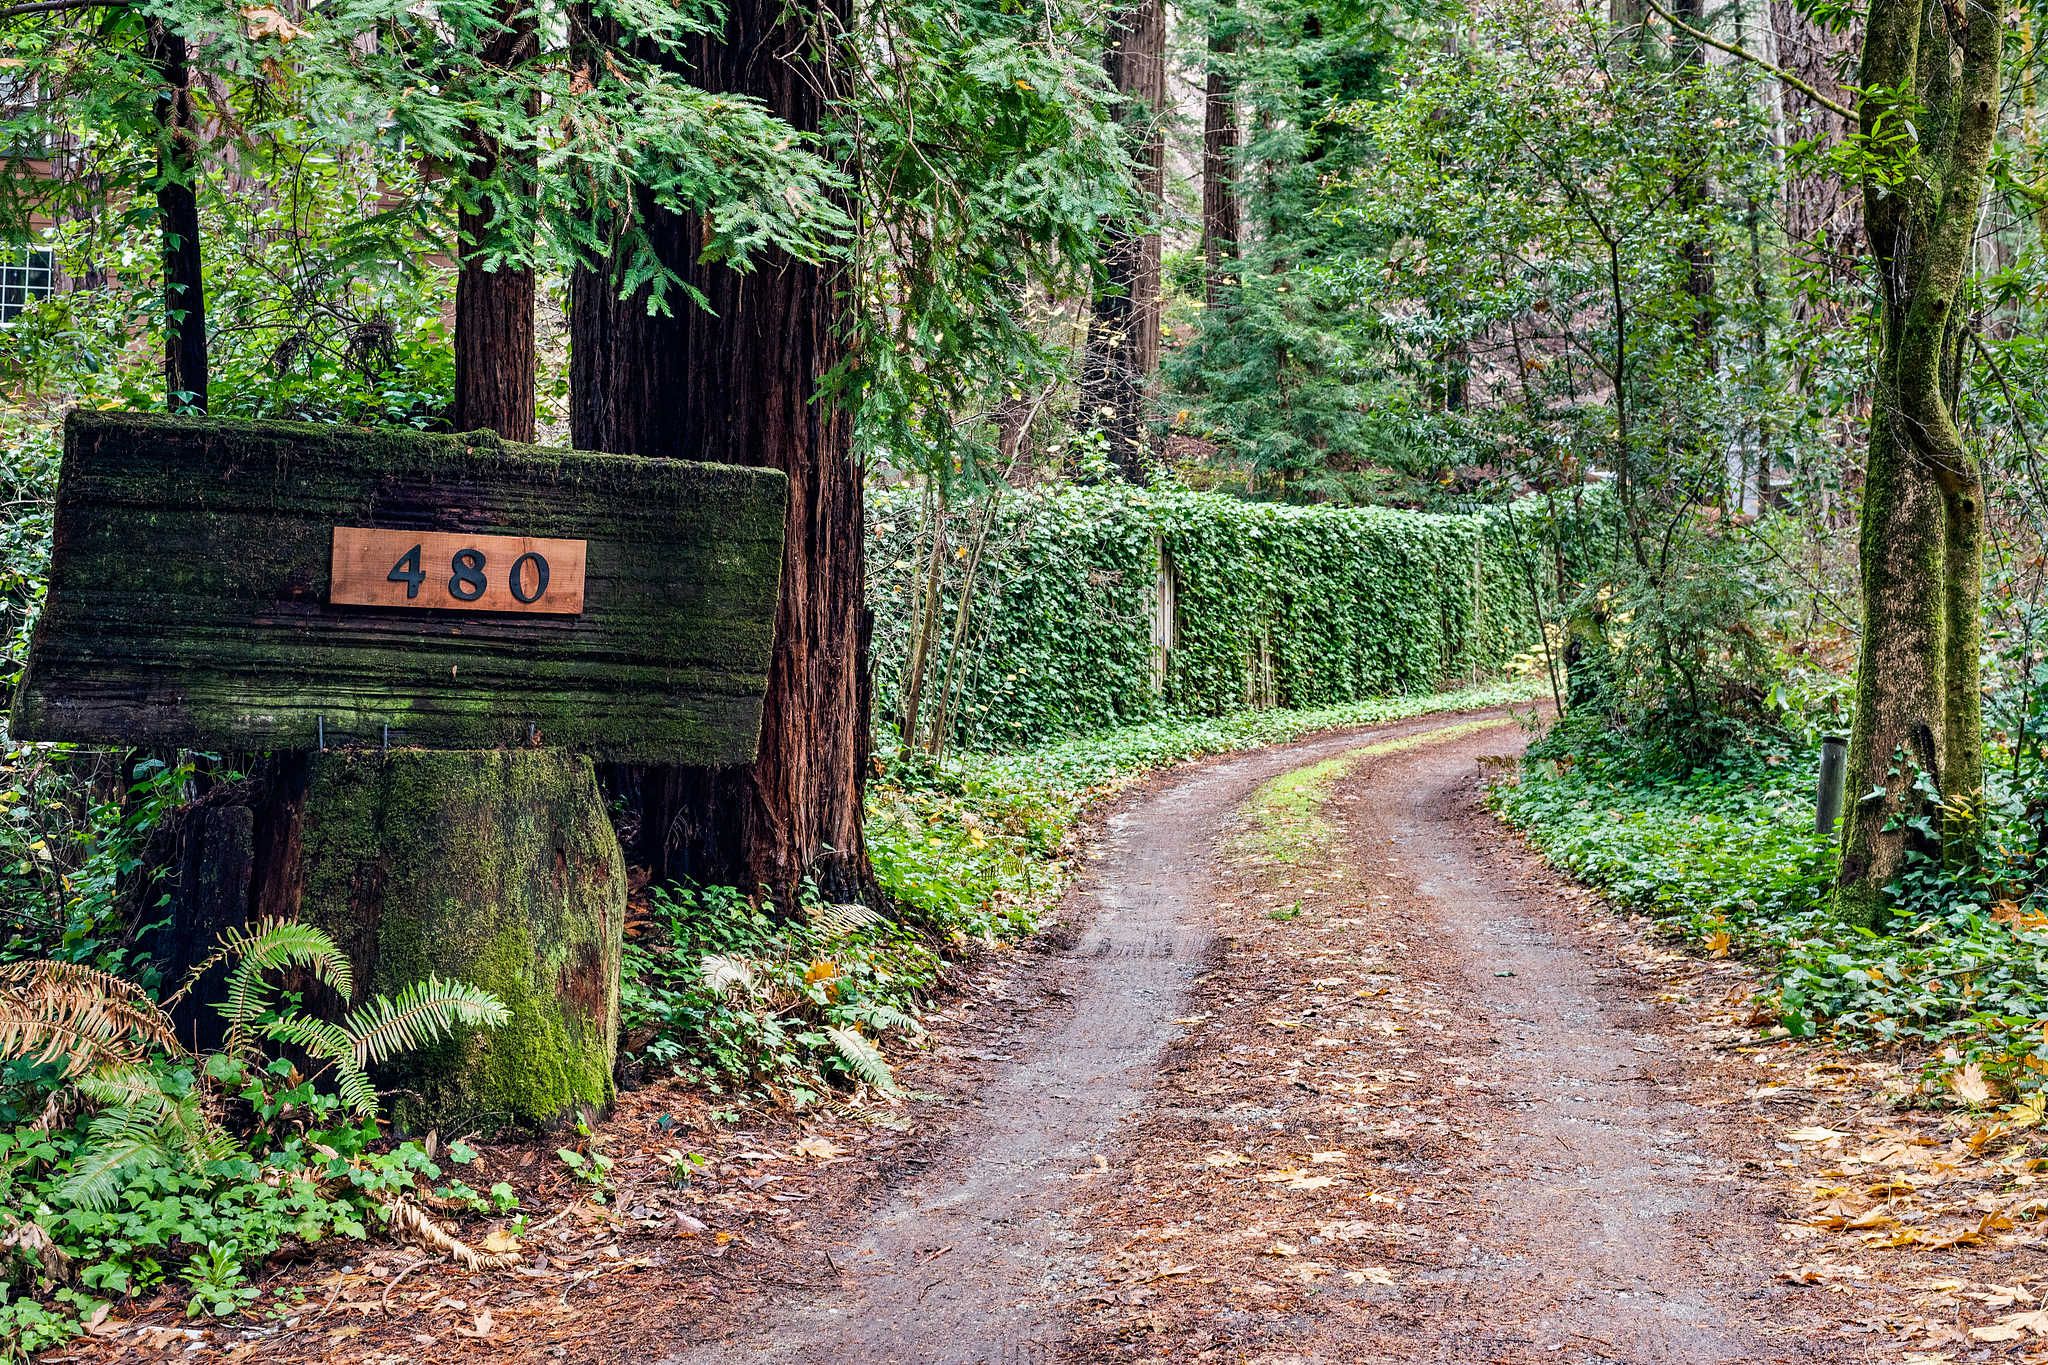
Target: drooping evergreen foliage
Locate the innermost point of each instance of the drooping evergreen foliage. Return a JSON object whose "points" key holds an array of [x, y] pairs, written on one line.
{"points": [[1278, 372]]}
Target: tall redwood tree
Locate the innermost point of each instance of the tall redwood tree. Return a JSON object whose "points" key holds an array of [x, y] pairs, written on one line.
{"points": [[737, 382], [494, 341], [1122, 354]]}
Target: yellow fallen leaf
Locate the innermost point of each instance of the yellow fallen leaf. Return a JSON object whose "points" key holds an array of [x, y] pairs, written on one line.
{"points": [[1283, 1249], [1372, 1274], [1717, 943], [1813, 1135], [817, 1148], [1321, 1158], [1226, 1159], [2014, 1326], [1967, 1084]]}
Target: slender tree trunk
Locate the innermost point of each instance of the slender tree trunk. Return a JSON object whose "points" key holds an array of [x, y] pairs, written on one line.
{"points": [[737, 383], [1817, 208], [1219, 167], [1692, 192], [1918, 700], [177, 208], [1123, 327], [494, 337]]}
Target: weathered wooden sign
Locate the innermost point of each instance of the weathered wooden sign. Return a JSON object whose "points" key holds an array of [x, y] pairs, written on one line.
{"points": [[229, 585]]}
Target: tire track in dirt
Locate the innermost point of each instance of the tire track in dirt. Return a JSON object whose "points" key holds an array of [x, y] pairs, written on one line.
{"points": [[967, 1264], [1432, 1118], [1546, 1174], [1613, 1230]]}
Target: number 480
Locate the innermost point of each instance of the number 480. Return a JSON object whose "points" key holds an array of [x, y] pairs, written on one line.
{"points": [[466, 580]]}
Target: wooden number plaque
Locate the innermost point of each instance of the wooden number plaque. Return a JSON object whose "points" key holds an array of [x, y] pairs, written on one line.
{"points": [[446, 571]]}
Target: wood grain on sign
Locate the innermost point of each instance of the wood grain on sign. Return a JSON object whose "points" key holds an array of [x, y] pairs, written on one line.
{"points": [[456, 571], [196, 599]]}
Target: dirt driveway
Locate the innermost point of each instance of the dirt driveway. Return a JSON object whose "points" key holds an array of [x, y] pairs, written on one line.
{"points": [[1333, 1083]]}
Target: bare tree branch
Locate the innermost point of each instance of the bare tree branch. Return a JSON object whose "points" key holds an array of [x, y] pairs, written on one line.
{"points": [[1734, 50], [47, 6]]}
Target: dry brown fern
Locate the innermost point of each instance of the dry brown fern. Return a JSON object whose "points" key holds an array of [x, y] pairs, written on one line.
{"points": [[87, 1018], [410, 1220]]}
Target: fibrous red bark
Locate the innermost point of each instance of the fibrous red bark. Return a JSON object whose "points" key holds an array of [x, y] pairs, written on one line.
{"points": [[737, 382]]}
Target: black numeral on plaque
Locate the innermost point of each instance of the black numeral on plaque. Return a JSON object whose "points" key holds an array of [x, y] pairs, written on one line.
{"points": [[408, 571], [540, 577], [467, 584]]}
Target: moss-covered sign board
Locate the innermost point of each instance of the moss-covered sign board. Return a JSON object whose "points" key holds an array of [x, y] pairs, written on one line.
{"points": [[193, 594]]}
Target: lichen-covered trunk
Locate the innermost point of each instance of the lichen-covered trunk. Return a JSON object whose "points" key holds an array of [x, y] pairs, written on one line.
{"points": [[1918, 707], [737, 382], [1900, 692], [176, 185], [1122, 352]]}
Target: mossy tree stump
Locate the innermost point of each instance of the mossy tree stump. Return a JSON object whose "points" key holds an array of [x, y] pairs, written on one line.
{"points": [[498, 867]]}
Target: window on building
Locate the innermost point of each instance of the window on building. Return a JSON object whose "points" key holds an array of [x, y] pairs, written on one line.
{"points": [[27, 273]]}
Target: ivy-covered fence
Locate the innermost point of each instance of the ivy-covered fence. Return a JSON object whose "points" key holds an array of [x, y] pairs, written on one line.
{"points": [[1089, 607]]}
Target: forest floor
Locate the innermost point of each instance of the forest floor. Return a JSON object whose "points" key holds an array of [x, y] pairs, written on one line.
{"points": [[1318, 1064]]}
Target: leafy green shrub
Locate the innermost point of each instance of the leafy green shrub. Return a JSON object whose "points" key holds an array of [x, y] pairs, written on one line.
{"points": [[750, 1003]]}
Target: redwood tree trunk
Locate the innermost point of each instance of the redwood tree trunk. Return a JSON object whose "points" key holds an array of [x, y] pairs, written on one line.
{"points": [[177, 207], [737, 383], [1219, 171], [494, 341], [494, 346], [1123, 325]]}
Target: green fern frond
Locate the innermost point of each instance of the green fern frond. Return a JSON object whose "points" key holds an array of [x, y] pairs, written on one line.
{"points": [[126, 1087], [97, 1177], [422, 1013], [352, 1086], [269, 946], [273, 945], [158, 1130], [831, 922], [882, 1018], [864, 1060], [327, 1041]]}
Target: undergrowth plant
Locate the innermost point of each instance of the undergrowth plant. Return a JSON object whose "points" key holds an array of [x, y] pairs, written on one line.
{"points": [[790, 1009], [128, 1161], [1726, 857]]}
